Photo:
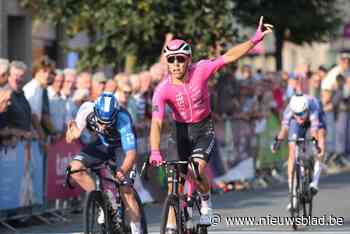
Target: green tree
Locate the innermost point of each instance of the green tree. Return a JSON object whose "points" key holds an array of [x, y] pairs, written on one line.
{"points": [[298, 21], [117, 28]]}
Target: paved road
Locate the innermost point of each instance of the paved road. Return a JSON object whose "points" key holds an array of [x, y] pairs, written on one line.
{"points": [[334, 199]]}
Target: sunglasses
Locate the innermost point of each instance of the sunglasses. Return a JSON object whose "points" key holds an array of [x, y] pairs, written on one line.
{"points": [[178, 58], [301, 114]]}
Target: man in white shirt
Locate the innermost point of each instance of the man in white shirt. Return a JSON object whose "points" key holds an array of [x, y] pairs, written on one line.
{"points": [[328, 88], [70, 76], [330, 81], [57, 104], [34, 93]]}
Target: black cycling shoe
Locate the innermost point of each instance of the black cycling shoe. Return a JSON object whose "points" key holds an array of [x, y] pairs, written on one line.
{"points": [[313, 191]]}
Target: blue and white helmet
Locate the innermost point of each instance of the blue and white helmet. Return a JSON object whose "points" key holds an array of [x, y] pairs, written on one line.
{"points": [[106, 108]]}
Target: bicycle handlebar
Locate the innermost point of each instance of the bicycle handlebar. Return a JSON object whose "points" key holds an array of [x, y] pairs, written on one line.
{"points": [[191, 162], [313, 140], [69, 171]]}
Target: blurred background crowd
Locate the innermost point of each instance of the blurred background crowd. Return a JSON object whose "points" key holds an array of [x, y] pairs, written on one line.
{"points": [[244, 96]]}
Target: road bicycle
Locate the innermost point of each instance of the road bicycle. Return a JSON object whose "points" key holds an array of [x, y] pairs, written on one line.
{"points": [[185, 207], [300, 195], [99, 215]]}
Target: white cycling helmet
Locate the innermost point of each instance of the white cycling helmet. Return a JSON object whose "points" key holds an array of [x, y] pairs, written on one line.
{"points": [[299, 104], [177, 46]]}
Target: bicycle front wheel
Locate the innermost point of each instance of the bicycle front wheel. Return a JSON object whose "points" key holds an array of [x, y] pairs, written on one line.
{"points": [[295, 195], [307, 209], [96, 218], [171, 216]]}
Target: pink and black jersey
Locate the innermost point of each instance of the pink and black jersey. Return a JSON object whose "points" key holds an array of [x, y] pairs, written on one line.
{"points": [[190, 102]]}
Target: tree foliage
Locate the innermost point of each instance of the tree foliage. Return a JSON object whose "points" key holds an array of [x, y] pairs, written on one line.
{"points": [[117, 28], [299, 21]]}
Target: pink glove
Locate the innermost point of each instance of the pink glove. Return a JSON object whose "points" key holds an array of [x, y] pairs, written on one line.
{"points": [[156, 158], [259, 34]]}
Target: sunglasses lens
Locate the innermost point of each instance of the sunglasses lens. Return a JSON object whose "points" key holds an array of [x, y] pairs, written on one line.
{"points": [[171, 59], [301, 114], [181, 59]]}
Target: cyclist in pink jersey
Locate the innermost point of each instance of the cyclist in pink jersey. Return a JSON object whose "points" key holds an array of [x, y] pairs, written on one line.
{"points": [[185, 90]]}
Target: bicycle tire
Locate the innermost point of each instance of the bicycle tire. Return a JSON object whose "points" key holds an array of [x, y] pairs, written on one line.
{"points": [[172, 201], [295, 193], [94, 201], [143, 221], [309, 197]]}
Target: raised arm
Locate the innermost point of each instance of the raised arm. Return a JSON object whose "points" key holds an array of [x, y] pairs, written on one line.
{"points": [[238, 51]]}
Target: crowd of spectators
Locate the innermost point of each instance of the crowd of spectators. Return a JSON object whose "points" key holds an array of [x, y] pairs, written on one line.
{"points": [[41, 108]]}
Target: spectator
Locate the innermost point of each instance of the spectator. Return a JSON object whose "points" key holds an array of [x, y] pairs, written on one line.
{"points": [[36, 93], [247, 74], [84, 81], [78, 98], [4, 69], [98, 85], [322, 72], [227, 87], [70, 76], [137, 103], [5, 96], [111, 86], [291, 86], [315, 85], [158, 71], [121, 78], [18, 116], [122, 94], [328, 87], [57, 105], [146, 89], [329, 82]]}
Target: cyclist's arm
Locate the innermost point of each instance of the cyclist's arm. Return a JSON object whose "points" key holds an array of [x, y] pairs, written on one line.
{"points": [[76, 127], [287, 116], [156, 129], [158, 110], [238, 51], [128, 140]]}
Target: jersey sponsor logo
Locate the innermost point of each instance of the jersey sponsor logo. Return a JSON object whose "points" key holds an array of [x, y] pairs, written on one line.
{"points": [[129, 137]]}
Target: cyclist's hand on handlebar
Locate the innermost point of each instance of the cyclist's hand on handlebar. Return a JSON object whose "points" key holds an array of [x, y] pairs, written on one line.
{"points": [[275, 145], [119, 175], [156, 158]]}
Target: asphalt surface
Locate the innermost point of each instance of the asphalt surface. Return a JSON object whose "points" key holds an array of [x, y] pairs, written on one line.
{"points": [[333, 201]]}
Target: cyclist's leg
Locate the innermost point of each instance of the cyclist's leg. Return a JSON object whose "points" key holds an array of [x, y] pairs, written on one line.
{"points": [[318, 160], [201, 153], [84, 160], [184, 150], [295, 131], [132, 209]]}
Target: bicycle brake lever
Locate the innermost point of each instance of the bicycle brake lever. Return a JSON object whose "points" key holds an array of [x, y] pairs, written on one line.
{"points": [[143, 173], [67, 179]]}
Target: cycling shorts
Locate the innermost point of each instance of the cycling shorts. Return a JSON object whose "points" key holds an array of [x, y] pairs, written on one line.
{"points": [[195, 140]]}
